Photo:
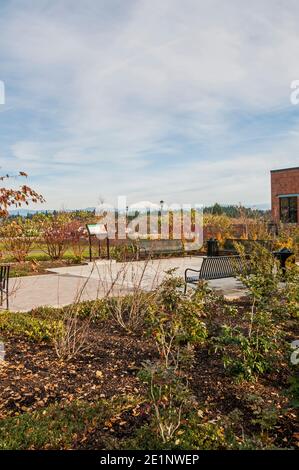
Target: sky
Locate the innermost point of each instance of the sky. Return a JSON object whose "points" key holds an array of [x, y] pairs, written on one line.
{"points": [[182, 101]]}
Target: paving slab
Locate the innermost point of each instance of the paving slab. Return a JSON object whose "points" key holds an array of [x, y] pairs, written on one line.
{"points": [[152, 272], [63, 286], [54, 290]]}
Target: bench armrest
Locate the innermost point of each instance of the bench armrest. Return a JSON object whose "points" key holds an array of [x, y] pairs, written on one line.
{"points": [[192, 270]]}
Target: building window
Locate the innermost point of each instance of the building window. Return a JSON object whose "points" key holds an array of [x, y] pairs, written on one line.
{"points": [[289, 210]]}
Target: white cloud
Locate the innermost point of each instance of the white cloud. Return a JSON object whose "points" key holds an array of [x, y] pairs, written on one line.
{"points": [[143, 97], [24, 150]]}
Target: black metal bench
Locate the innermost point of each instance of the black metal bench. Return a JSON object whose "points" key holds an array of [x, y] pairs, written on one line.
{"points": [[4, 278], [159, 247], [217, 267]]}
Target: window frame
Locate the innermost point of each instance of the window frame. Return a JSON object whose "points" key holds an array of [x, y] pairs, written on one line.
{"points": [[289, 213]]}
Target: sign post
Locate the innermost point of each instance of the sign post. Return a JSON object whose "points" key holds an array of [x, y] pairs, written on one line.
{"points": [[99, 231]]}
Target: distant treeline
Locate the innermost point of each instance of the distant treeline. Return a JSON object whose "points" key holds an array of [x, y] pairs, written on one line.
{"points": [[235, 211], [76, 214]]}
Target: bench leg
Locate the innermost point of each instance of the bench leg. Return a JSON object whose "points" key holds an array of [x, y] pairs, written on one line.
{"points": [[185, 288]]}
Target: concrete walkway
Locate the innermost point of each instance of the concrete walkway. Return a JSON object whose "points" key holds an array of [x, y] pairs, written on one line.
{"points": [[63, 286]]}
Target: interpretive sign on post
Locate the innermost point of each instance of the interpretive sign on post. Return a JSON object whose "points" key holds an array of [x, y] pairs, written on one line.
{"points": [[100, 232]]}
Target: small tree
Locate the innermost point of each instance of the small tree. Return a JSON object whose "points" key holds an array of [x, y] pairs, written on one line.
{"points": [[77, 234], [16, 198], [175, 322], [55, 234], [250, 347], [18, 237]]}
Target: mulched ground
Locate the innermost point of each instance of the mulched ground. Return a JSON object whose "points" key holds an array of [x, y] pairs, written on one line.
{"points": [[32, 377]]}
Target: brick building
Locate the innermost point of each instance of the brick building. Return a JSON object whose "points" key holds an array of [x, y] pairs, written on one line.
{"points": [[285, 195]]}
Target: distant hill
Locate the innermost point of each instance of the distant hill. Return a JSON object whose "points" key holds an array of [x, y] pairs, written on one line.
{"points": [[261, 207]]}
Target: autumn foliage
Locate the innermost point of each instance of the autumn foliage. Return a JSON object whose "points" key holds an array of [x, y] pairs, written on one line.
{"points": [[17, 197]]}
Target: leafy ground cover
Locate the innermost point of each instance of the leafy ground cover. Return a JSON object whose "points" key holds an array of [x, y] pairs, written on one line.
{"points": [[175, 379]]}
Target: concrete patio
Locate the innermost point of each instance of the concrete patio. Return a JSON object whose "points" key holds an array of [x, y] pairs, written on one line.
{"points": [[63, 286]]}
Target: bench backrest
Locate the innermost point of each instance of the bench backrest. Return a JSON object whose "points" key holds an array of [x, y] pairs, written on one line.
{"points": [[160, 246], [217, 267], [249, 245]]}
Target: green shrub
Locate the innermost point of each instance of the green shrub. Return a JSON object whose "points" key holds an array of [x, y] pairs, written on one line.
{"points": [[263, 279], [198, 435], [35, 329], [169, 396], [250, 347], [46, 312], [174, 320], [292, 292], [293, 391], [194, 434], [122, 253], [97, 310], [249, 351]]}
